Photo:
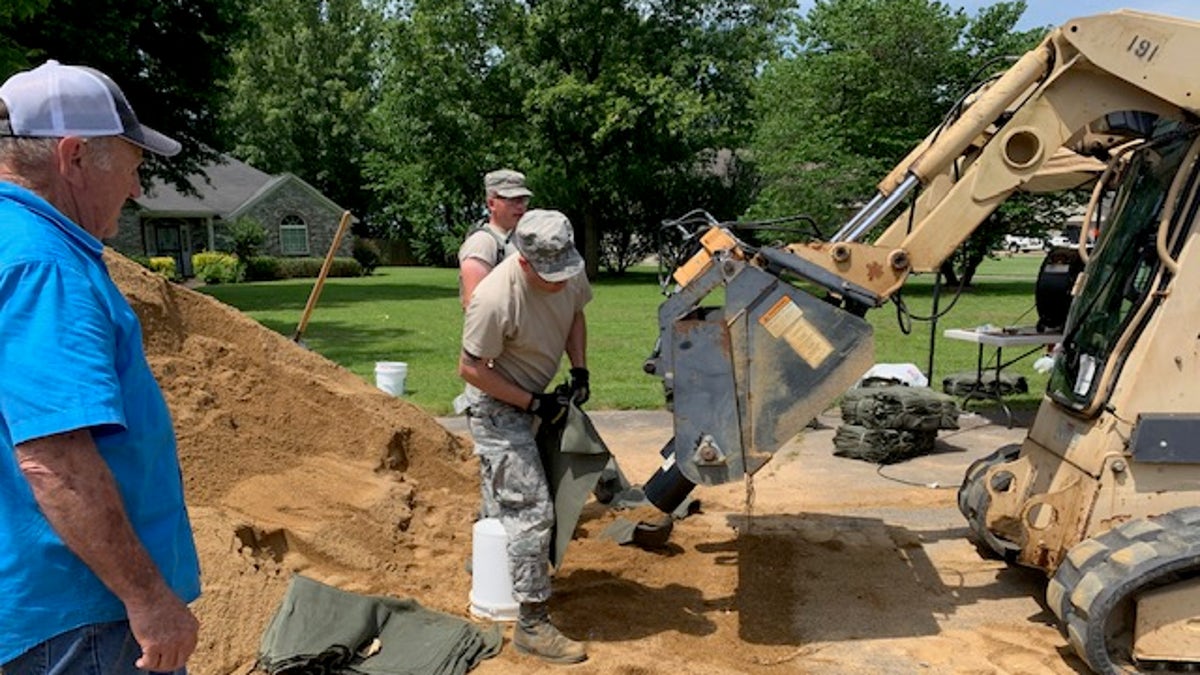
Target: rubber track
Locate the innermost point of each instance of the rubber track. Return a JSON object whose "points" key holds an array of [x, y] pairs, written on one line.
{"points": [[1100, 574], [973, 501]]}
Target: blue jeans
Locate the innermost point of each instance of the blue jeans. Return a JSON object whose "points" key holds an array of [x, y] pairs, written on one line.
{"points": [[96, 649]]}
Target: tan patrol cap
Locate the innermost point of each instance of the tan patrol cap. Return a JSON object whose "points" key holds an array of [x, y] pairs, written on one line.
{"points": [[506, 183], [546, 239]]}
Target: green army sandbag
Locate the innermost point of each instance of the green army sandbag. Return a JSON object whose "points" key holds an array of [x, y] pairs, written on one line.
{"points": [[881, 446], [899, 407]]}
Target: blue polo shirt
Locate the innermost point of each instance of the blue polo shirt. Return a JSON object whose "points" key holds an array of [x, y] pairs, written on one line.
{"points": [[71, 358]]}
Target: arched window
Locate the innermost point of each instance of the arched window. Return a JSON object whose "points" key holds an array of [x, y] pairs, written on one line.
{"points": [[293, 235]]}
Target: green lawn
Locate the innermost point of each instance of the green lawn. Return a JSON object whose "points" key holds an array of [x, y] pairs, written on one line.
{"points": [[1002, 295], [411, 314]]}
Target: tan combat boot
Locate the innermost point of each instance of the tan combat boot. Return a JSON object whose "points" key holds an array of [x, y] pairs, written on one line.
{"points": [[535, 635]]}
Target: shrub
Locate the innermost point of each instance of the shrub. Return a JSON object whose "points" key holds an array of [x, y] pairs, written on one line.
{"points": [[164, 266], [345, 267], [246, 235], [142, 260], [263, 268], [213, 267], [294, 268], [299, 268], [367, 254]]}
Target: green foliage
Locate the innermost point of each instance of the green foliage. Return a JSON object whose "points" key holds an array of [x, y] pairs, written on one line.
{"points": [[21, 9], [302, 92], [263, 268], [294, 268], [213, 267], [633, 107], [869, 79], [615, 110], [164, 266], [246, 235], [366, 252], [171, 59], [12, 54], [268, 268], [449, 111], [142, 260]]}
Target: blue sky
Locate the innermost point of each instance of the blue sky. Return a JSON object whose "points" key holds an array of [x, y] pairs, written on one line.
{"points": [[1056, 12]]}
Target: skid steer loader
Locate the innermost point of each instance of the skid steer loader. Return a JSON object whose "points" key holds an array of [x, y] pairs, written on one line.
{"points": [[1104, 493]]}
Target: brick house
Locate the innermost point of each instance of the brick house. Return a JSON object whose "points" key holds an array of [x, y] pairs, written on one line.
{"points": [[299, 220]]}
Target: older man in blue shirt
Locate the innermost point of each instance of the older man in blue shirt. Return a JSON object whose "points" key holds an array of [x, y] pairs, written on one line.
{"points": [[97, 560]]}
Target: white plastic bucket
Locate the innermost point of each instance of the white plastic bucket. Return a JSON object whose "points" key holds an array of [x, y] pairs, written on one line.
{"points": [[389, 376], [491, 585]]}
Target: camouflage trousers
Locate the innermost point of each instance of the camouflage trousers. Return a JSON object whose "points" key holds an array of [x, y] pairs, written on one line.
{"points": [[514, 489]]}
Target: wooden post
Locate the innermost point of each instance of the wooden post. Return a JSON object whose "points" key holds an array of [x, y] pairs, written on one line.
{"points": [[316, 291]]}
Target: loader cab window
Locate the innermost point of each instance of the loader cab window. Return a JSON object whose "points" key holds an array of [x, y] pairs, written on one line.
{"points": [[1122, 272]]}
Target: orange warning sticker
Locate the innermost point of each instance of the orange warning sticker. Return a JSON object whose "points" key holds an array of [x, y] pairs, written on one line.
{"points": [[786, 320]]}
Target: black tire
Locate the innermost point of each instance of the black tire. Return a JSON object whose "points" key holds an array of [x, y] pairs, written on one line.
{"points": [[1094, 591], [973, 502]]}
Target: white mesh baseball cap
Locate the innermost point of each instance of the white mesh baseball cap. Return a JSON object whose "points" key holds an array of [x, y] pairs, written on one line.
{"points": [[54, 101]]}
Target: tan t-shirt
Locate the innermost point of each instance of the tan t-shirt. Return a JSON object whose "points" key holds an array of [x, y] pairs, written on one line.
{"points": [[523, 329], [484, 244]]}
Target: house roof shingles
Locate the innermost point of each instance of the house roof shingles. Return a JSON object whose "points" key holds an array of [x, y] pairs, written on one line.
{"points": [[229, 186]]}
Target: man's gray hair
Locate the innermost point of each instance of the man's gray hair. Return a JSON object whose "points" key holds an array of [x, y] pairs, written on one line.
{"points": [[30, 160]]}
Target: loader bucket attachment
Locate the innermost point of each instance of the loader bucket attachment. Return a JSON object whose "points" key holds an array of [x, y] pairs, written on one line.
{"points": [[743, 379]]}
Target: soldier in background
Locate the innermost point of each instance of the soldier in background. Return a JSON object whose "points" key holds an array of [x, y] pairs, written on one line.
{"points": [[487, 243]]}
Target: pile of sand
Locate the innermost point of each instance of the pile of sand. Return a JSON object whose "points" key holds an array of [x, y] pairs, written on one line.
{"points": [[292, 463]]}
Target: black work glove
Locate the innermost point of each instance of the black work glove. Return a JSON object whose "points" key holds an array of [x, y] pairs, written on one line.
{"points": [[580, 391], [550, 407]]}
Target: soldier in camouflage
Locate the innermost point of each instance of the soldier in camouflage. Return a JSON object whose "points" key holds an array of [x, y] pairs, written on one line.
{"points": [[521, 319], [487, 243]]}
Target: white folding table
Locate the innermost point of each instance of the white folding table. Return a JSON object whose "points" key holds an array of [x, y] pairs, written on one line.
{"points": [[1024, 336]]}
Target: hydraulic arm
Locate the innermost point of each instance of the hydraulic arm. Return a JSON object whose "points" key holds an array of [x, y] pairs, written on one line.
{"points": [[744, 377], [1103, 492]]}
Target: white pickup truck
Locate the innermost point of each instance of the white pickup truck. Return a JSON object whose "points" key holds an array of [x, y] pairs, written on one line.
{"points": [[1067, 238], [1018, 244]]}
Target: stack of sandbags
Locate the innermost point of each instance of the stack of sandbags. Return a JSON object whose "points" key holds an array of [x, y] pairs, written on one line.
{"points": [[892, 423], [899, 407], [984, 384]]}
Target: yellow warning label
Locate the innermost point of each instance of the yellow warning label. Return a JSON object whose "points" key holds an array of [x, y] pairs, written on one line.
{"points": [[786, 320]]}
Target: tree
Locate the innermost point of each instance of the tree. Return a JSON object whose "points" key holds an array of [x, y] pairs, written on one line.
{"points": [[617, 111], [170, 59], [869, 79], [632, 103], [12, 54], [449, 111], [302, 93]]}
